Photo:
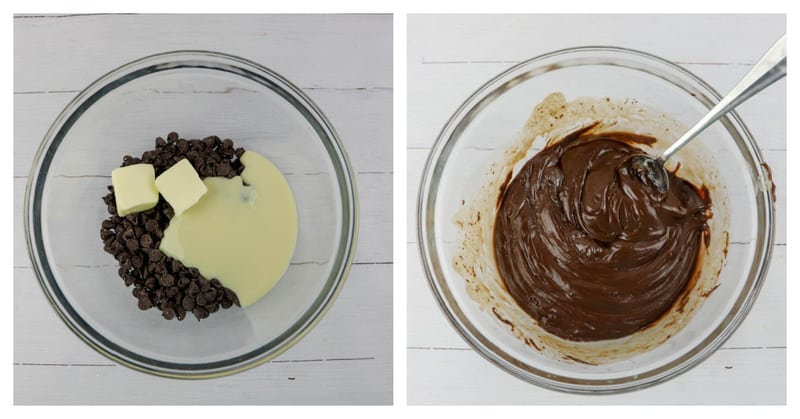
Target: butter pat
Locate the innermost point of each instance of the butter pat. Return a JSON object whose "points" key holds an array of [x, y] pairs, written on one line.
{"points": [[181, 186], [134, 188]]}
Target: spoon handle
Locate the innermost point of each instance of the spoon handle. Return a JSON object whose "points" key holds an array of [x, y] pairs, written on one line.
{"points": [[769, 69]]}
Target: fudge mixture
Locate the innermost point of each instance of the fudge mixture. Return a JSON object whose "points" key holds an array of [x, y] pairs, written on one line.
{"points": [[570, 252], [586, 248]]}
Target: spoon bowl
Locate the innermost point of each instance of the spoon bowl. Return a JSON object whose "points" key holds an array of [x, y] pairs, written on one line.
{"points": [[651, 173]]}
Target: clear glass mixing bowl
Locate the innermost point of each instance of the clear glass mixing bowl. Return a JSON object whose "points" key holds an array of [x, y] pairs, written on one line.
{"points": [[197, 94], [492, 118]]}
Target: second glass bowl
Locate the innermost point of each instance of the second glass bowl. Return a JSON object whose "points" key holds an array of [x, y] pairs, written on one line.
{"points": [[492, 118]]}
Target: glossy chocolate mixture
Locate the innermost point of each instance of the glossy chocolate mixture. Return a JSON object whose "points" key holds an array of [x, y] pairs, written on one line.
{"points": [[586, 248]]}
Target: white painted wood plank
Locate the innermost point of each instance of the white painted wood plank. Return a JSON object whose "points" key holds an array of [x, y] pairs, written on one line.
{"points": [[362, 118], [777, 163], [33, 115], [507, 38], [428, 327], [375, 218], [322, 382], [358, 324], [341, 51], [357, 327], [737, 377], [416, 159], [434, 94]]}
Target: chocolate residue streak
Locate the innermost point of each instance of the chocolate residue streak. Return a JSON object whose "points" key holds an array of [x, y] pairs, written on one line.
{"points": [[499, 317], [580, 361], [587, 249], [502, 191], [727, 242], [530, 342], [772, 184], [706, 294]]}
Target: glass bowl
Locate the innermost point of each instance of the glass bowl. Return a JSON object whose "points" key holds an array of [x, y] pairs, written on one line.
{"points": [[197, 94], [492, 118]]}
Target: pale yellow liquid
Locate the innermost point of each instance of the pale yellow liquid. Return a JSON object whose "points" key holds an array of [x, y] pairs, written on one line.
{"points": [[242, 235]]}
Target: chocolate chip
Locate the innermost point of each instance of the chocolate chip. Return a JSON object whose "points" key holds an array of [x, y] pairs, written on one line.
{"points": [[173, 291], [128, 279], [151, 226], [200, 312], [188, 303], [224, 169], [148, 156], [158, 268], [168, 313], [144, 302], [166, 280], [210, 295], [193, 289], [230, 295], [137, 261], [183, 282], [205, 285], [146, 241], [155, 255]]}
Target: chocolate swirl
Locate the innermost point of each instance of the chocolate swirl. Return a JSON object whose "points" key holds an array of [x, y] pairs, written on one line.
{"points": [[589, 251]]}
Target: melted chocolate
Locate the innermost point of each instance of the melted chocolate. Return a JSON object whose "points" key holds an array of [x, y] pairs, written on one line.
{"points": [[589, 251]]}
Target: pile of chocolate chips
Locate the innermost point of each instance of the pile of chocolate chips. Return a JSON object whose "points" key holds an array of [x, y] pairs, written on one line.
{"points": [[158, 280]]}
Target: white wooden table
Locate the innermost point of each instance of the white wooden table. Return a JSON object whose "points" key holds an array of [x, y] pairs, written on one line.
{"points": [[344, 62], [451, 56]]}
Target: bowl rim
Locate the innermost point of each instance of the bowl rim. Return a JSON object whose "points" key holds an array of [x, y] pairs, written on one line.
{"points": [[241, 67], [426, 200]]}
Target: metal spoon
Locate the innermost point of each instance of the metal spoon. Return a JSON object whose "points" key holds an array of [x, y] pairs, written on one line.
{"points": [[769, 69]]}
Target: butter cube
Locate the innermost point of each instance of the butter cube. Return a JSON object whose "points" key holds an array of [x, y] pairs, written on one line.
{"points": [[181, 186], [134, 188]]}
